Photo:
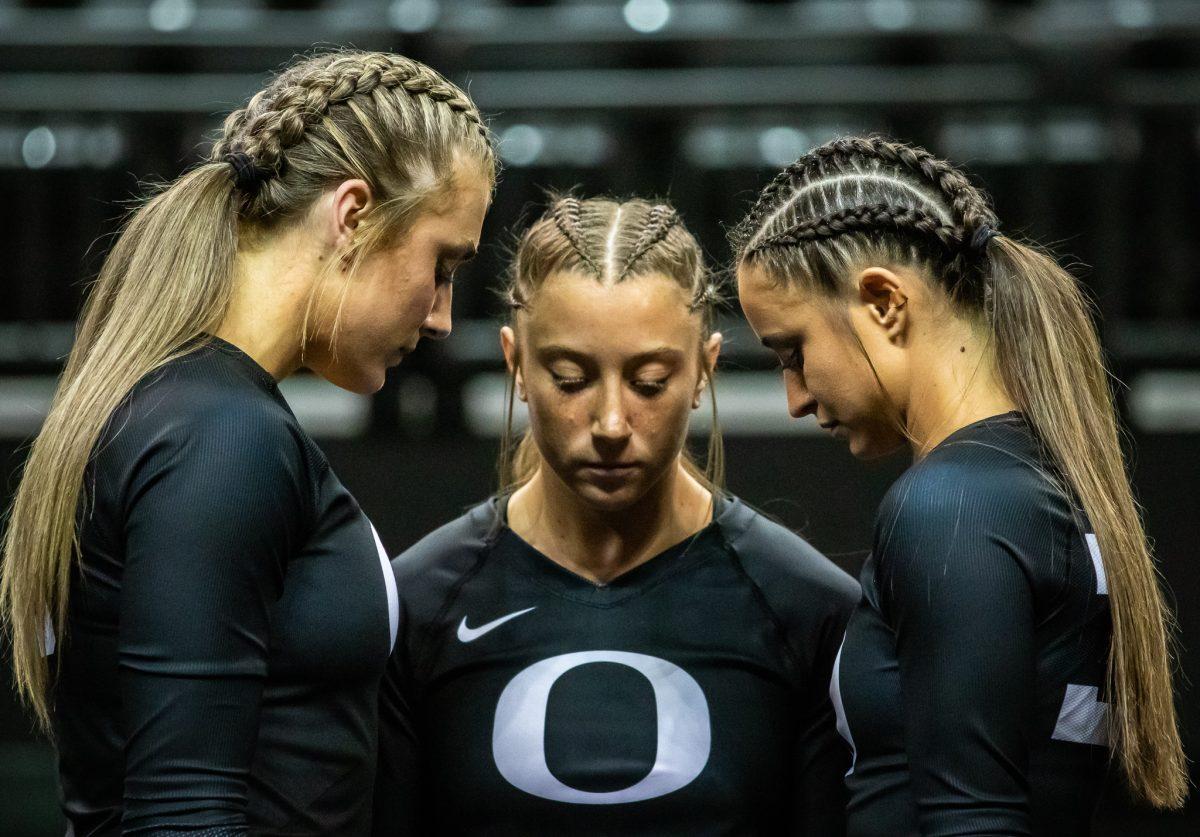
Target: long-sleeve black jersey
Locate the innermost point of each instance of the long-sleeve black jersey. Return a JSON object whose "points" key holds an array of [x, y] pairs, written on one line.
{"points": [[230, 618], [688, 696], [971, 673]]}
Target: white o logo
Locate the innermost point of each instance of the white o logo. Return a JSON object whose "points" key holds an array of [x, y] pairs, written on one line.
{"points": [[684, 732]]}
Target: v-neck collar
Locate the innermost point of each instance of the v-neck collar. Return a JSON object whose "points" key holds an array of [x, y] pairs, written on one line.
{"points": [[515, 551]]}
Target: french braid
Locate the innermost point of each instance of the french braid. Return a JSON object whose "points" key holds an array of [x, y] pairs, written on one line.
{"points": [[277, 118]]}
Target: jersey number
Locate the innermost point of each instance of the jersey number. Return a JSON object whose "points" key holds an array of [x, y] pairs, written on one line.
{"points": [[1083, 717], [684, 731]]}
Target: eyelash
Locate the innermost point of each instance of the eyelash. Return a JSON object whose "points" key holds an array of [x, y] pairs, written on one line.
{"points": [[647, 389], [793, 360], [442, 276]]}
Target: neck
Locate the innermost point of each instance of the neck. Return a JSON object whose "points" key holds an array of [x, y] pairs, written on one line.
{"points": [[599, 544], [959, 385], [270, 294]]}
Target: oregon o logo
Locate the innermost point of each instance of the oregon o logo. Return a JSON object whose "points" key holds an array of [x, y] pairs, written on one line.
{"points": [[684, 732]]}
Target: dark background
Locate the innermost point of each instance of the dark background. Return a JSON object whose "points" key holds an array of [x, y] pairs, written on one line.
{"points": [[1082, 117]]}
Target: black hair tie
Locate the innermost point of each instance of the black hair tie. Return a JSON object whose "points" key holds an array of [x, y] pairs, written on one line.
{"points": [[248, 177], [977, 246]]}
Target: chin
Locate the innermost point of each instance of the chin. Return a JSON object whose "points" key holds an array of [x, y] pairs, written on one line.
{"points": [[867, 448], [606, 500], [362, 380]]}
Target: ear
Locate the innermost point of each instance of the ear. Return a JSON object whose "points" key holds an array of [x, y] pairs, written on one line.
{"points": [[508, 345], [886, 299], [709, 352], [349, 203]]}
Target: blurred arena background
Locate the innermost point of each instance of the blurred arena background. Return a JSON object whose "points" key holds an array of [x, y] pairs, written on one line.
{"points": [[1082, 116]]}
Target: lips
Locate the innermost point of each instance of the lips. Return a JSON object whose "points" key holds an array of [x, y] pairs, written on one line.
{"points": [[833, 427], [610, 471]]}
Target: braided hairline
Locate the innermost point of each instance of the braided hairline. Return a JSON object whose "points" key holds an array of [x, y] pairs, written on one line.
{"points": [[659, 222], [266, 134], [857, 219], [968, 206], [753, 222], [567, 214]]}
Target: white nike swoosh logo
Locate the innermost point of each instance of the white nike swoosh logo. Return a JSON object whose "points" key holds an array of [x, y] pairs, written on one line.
{"points": [[466, 634]]}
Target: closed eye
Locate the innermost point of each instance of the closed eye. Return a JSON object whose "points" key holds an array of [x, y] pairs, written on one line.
{"points": [[650, 388], [568, 384]]}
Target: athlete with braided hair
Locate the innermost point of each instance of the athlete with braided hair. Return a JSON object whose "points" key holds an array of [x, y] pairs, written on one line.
{"points": [[612, 645], [199, 611], [1011, 641]]}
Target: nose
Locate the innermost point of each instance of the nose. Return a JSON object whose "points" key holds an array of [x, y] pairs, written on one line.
{"points": [[437, 325], [610, 421], [800, 401]]}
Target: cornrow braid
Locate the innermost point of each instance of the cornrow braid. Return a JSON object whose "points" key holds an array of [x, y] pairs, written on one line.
{"points": [[659, 222], [871, 184], [968, 205], [768, 200], [276, 118], [568, 213], [707, 298], [875, 216]]}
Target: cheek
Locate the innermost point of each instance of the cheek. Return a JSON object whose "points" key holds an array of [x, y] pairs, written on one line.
{"points": [[556, 420], [663, 425], [412, 300]]}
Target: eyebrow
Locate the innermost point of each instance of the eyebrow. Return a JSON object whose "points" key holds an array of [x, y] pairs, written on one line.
{"points": [[661, 353]]}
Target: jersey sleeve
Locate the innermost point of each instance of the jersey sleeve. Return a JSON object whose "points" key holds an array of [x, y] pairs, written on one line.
{"points": [[810, 600], [822, 756], [214, 506], [954, 586]]}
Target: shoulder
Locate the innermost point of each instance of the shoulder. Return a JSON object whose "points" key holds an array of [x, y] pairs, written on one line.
{"points": [[972, 488], [187, 403], [431, 567], [223, 438], [787, 568], [974, 516]]}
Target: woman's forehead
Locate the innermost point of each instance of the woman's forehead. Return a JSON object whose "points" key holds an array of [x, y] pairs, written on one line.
{"points": [[649, 308]]}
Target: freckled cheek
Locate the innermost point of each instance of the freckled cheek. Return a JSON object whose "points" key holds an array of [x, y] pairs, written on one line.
{"points": [[661, 431], [558, 424]]}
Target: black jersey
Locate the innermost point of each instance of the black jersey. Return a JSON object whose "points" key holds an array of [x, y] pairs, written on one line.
{"points": [[971, 673], [687, 696], [230, 617]]}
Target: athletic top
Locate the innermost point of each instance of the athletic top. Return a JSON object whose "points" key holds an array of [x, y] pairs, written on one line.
{"points": [[228, 623], [971, 673], [688, 696]]}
